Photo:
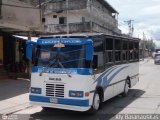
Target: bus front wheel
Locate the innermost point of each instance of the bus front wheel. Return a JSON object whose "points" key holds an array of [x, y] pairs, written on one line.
{"points": [[96, 104]]}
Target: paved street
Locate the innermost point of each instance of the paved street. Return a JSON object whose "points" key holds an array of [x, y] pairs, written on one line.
{"points": [[13, 95], [142, 99]]}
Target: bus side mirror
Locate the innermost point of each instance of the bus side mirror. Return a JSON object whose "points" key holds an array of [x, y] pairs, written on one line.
{"points": [[29, 46], [89, 52]]}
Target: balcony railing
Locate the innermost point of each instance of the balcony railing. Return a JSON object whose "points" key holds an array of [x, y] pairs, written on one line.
{"points": [[61, 6], [73, 27], [77, 28]]}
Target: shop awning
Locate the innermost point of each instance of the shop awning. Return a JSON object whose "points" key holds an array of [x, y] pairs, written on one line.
{"points": [[34, 39]]}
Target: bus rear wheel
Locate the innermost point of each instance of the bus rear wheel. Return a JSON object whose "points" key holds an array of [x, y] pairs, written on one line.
{"points": [[126, 89], [46, 108]]}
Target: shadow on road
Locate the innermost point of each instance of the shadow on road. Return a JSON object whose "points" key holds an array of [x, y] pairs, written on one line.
{"points": [[109, 110], [12, 88]]}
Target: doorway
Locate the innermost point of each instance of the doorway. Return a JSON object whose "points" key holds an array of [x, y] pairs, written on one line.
{"points": [[1, 50]]}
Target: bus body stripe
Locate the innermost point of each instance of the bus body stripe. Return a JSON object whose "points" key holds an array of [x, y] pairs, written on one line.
{"points": [[64, 101], [104, 73], [106, 81], [102, 79]]}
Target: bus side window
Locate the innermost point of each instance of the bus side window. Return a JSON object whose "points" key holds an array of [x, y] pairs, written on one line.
{"points": [[95, 62]]}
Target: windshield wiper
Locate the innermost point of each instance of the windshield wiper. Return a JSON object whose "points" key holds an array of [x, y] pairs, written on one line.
{"points": [[69, 75], [56, 59], [50, 64]]}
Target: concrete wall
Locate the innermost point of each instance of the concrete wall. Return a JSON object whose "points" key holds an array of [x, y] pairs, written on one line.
{"points": [[19, 15], [73, 17], [101, 15], [61, 5], [90, 10], [33, 2]]}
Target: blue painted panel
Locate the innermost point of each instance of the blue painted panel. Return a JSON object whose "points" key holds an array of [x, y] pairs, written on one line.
{"points": [[29, 46], [63, 101], [89, 52], [66, 41], [80, 71]]}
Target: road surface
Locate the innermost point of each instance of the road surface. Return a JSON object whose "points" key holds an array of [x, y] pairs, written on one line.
{"points": [[144, 98]]}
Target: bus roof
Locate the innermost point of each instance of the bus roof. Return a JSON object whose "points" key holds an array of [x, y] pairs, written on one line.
{"points": [[67, 41]]}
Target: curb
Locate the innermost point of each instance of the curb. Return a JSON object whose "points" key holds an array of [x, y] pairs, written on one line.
{"points": [[16, 108]]}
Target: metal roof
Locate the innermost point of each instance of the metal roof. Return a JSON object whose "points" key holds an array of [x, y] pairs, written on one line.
{"points": [[87, 35]]}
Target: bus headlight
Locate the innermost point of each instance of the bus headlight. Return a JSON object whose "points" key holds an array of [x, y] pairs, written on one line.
{"points": [[36, 90], [76, 93]]}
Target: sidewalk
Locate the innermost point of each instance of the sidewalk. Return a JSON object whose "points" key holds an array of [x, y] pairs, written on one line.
{"points": [[13, 96], [146, 60]]}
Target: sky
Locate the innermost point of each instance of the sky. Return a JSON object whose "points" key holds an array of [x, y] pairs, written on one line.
{"points": [[146, 16]]}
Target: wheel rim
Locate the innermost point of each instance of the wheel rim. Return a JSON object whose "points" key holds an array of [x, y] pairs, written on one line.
{"points": [[96, 102]]}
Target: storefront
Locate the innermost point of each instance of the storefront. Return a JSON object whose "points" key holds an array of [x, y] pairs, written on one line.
{"points": [[1, 50], [12, 54]]}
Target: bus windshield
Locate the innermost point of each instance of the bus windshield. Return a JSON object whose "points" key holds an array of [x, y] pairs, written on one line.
{"points": [[70, 56]]}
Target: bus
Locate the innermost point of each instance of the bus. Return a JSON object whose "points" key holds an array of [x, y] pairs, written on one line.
{"points": [[79, 72]]}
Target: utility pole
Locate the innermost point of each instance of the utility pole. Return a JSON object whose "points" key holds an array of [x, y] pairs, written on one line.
{"points": [[30, 61], [40, 10], [67, 16], [144, 45], [130, 27], [91, 22]]}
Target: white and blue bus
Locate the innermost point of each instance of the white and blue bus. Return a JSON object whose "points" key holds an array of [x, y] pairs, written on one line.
{"points": [[80, 72]]}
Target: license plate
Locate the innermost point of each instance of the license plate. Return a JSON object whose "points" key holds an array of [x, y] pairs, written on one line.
{"points": [[54, 100]]}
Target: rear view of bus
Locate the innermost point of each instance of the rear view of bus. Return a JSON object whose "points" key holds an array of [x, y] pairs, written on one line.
{"points": [[61, 75]]}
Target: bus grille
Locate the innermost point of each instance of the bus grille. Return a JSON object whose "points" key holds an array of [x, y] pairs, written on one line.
{"points": [[55, 90]]}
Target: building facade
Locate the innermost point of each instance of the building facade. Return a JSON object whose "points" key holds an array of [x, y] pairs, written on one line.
{"points": [[16, 16], [79, 16]]}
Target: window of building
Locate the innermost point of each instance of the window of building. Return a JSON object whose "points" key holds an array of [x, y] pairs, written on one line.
{"points": [[124, 55], [136, 52], [43, 20], [109, 44], [54, 16], [62, 20], [124, 50], [131, 51], [118, 49], [117, 55], [109, 56], [98, 45], [118, 44]]}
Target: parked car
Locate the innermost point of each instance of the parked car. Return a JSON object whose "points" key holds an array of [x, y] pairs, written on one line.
{"points": [[157, 59]]}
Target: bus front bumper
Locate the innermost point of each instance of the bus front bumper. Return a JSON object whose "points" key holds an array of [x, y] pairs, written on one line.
{"points": [[62, 103]]}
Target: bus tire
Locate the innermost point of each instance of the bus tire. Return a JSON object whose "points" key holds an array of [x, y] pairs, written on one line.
{"points": [[96, 104], [46, 108], [126, 88]]}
